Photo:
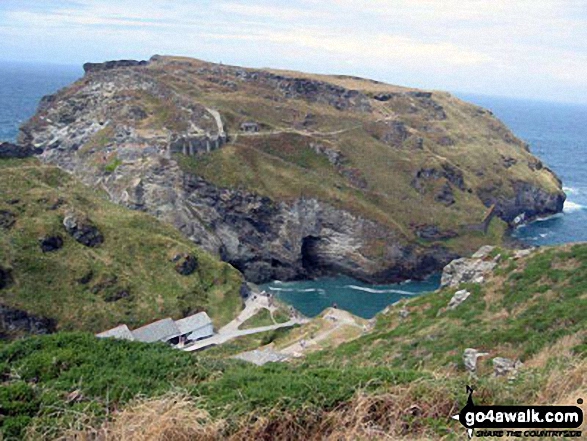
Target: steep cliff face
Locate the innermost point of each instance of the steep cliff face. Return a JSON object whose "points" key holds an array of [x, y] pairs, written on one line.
{"points": [[288, 175]]}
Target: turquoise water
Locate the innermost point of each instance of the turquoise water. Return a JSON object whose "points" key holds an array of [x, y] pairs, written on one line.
{"points": [[311, 297], [557, 133]]}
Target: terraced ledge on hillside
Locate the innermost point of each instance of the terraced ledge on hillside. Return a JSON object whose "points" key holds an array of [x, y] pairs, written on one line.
{"points": [[288, 175]]}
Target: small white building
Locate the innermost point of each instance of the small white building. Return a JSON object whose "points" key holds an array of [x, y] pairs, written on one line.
{"points": [[161, 330], [192, 328], [195, 327], [121, 332]]}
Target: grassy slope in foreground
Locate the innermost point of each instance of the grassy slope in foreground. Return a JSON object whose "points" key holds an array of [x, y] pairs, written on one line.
{"points": [[403, 379], [135, 257]]}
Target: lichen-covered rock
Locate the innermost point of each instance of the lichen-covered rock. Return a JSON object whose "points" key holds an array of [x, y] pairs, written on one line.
{"points": [[470, 357], [468, 270], [82, 230], [505, 367], [458, 298], [49, 244]]}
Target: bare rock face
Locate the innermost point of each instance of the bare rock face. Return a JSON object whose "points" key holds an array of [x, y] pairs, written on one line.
{"points": [[529, 202], [10, 150], [82, 230], [468, 270]]}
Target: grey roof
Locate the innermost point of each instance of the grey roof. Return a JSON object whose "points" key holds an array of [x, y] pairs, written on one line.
{"points": [[193, 322], [160, 330], [120, 331]]}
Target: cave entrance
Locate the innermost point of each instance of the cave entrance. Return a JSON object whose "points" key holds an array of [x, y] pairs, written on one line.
{"points": [[310, 259]]}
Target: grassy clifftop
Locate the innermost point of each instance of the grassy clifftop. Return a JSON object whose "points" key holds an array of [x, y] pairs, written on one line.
{"points": [[404, 379], [129, 278]]}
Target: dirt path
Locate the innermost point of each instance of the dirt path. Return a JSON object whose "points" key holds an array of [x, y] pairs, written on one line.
{"points": [[253, 305]]}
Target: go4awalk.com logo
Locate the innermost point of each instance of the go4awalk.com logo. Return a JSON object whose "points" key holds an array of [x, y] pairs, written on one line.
{"points": [[520, 421]]}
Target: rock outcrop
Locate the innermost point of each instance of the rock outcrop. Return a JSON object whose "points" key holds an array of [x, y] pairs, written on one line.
{"points": [[185, 264], [470, 357], [16, 322], [148, 135], [82, 230], [10, 150], [97, 67], [7, 219], [458, 298], [505, 367], [469, 270], [5, 277], [49, 244], [529, 200]]}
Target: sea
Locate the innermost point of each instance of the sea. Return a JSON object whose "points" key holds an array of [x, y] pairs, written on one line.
{"points": [[556, 133]]}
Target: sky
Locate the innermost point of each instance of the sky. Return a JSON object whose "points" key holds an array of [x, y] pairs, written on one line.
{"points": [[515, 48]]}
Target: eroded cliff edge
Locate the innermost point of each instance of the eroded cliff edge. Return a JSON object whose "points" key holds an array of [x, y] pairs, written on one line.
{"points": [[288, 175]]}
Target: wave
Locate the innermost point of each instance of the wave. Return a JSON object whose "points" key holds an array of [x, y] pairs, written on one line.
{"points": [[571, 207], [547, 218], [571, 190], [272, 288], [381, 291]]}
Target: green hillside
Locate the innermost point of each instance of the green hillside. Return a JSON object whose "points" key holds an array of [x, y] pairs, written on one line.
{"points": [[404, 379], [129, 278]]}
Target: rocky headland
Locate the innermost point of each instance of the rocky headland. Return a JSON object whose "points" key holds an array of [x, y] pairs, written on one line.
{"points": [[288, 175]]}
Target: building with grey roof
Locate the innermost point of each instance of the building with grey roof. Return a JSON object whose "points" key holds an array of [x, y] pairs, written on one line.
{"points": [[195, 327], [161, 330], [121, 332]]}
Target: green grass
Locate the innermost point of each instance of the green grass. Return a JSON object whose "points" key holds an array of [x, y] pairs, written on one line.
{"points": [[262, 318], [112, 165], [38, 374], [135, 257], [414, 361], [265, 318], [282, 164], [543, 304]]}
